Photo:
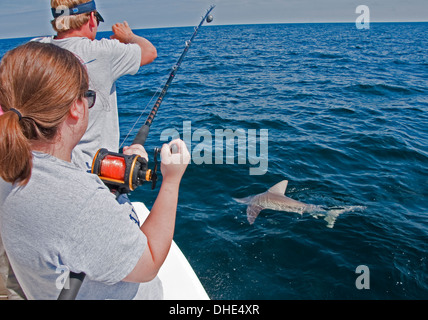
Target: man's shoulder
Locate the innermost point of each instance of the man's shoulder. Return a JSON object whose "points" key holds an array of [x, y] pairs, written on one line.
{"points": [[65, 43], [42, 39], [101, 43]]}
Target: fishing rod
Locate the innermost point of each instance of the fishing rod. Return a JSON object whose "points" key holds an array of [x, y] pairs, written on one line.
{"points": [[123, 173], [144, 131]]}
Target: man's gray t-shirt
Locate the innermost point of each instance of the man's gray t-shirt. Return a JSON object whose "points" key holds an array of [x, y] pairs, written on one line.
{"points": [[107, 60], [66, 219]]}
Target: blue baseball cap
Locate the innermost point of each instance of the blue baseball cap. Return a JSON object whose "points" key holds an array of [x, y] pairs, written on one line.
{"points": [[79, 9]]}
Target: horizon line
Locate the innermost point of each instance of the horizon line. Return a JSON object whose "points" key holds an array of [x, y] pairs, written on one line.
{"points": [[235, 24]]}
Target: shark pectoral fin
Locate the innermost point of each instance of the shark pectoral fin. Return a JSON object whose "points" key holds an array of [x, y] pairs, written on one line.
{"points": [[253, 211]]}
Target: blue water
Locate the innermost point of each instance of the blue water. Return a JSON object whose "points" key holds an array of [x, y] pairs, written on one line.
{"points": [[347, 116]]}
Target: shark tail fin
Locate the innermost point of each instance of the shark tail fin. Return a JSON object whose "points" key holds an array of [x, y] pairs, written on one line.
{"points": [[253, 211], [333, 214]]}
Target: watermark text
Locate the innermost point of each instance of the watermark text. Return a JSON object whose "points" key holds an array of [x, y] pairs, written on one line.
{"points": [[225, 146], [363, 20]]}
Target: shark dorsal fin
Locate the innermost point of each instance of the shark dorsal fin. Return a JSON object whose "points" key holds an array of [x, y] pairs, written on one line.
{"points": [[279, 188]]}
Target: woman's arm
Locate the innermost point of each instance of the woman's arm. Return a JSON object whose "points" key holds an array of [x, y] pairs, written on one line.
{"points": [[159, 226]]}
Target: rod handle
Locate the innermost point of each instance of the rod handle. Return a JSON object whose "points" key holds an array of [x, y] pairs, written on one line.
{"points": [[142, 135]]}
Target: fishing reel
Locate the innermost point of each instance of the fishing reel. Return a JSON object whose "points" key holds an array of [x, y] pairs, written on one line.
{"points": [[124, 173]]}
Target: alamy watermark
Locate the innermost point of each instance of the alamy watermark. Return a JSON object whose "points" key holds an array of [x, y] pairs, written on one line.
{"points": [[218, 147], [63, 12], [363, 281], [363, 20]]}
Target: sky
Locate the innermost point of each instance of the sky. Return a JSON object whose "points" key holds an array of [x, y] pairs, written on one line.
{"points": [[28, 18]]}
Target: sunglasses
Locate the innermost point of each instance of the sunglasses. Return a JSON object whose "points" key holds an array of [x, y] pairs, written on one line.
{"points": [[91, 96], [98, 17]]}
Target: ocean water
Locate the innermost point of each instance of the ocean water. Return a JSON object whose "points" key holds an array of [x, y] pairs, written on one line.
{"points": [[346, 112]]}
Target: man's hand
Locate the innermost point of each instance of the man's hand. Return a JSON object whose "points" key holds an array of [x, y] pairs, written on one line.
{"points": [[123, 33]]}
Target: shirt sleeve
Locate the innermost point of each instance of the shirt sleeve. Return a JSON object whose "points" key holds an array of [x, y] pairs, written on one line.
{"points": [[108, 242], [125, 59]]}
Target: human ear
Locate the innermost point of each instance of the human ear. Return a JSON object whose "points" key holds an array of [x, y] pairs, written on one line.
{"points": [[93, 22], [77, 109]]}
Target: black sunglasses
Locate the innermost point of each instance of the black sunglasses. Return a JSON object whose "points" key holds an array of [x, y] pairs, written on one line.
{"points": [[91, 96], [98, 17]]}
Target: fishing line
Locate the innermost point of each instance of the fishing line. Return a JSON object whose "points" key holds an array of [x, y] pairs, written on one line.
{"points": [[144, 130], [124, 173], [157, 93]]}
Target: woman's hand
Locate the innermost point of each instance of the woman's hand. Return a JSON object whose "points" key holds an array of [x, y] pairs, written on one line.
{"points": [[175, 159], [137, 149]]}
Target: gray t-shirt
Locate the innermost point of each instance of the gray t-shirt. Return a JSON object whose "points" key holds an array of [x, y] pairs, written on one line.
{"points": [[107, 60], [66, 219]]}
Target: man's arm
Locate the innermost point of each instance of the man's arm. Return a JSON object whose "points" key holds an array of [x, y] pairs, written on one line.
{"points": [[124, 34]]}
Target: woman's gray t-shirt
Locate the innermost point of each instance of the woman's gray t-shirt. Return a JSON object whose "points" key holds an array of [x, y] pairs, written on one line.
{"points": [[67, 219]]}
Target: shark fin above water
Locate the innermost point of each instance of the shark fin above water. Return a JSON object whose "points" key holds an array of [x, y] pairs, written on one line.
{"points": [[279, 188]]}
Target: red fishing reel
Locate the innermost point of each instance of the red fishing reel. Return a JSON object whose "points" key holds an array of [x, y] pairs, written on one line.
{"points": [[124, 173]]}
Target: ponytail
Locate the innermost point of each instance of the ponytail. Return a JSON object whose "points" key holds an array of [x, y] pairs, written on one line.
{"points": [[15, 151]]}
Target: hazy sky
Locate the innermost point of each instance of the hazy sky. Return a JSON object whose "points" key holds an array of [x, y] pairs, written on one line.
{"points": [[27, 18]]}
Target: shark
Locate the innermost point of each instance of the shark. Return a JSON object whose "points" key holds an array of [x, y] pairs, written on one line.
{"points": [[275, 199]]}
